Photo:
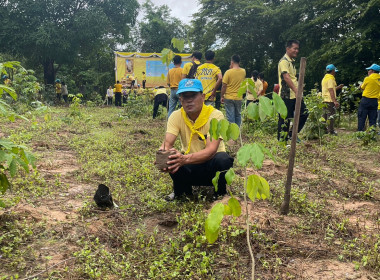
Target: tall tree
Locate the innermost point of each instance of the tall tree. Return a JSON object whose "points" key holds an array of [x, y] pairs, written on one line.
{"points": [[55, 32], [158, 28]]}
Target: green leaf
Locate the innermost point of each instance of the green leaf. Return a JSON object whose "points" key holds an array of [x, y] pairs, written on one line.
{"points": [[234, 204], [214, 129], [213, 221], [9, 90], [253, 111], [266, 151], [257, 155], [230, 176], [252, 186], [13, 167], [252, 90], [242, 90], [178, 44], [244, 154], [215, 180], [4, 183], [2, 204], [227, 210], [263, 191], [265, 107], [223, 128], [279, 105], [233, 131], [250, 82]]}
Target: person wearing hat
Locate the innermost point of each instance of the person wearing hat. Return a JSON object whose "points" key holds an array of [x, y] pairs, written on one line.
{"points": [[369, 103], [329, 88], [190, 69], [200, 158]]}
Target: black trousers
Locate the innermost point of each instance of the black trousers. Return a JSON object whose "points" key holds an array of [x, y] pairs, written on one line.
{"points": [[117, 98], [283, 125], [202, 174], [160, 99], [144, 81], [367, 107], [109, 100]]}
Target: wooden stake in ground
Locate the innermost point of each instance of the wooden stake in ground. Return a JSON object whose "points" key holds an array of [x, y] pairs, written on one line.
{"points": [[292, 155]]}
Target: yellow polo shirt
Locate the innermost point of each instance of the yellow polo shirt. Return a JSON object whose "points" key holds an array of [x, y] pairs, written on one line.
{"points": [[286, 65], [233, 78], [118, 87], [159, 91], [58, 88], [328, 81], [144, 77], [174, 77], [208, 73], [371, 86], [187, 67], [177, 126], [258, 86]]}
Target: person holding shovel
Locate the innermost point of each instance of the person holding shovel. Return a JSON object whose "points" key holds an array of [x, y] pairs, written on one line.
{"points": [[200, 158]]}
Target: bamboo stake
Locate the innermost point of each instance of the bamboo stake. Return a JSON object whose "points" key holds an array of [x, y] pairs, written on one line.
{"points": [[292, 155]]}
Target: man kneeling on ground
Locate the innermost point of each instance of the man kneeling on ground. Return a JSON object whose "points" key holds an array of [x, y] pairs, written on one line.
{"points": [[200, 158]]}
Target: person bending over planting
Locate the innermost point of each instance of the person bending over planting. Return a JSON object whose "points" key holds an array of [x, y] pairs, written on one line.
{"points": [[200, 158]]}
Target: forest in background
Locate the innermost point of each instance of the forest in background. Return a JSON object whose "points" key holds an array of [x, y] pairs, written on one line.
{"points": [[75, 40]]}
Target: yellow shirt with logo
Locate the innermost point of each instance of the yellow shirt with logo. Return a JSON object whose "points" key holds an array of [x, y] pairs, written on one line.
{"points": [[258, 86], [371, 86], [177, 126], [208, 73], [174, 77], [328, 81], [286, 65], [187, 67], [233, 78]]}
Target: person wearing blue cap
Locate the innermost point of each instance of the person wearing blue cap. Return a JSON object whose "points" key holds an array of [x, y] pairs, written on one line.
{"points": [[371, 93], [329, 88], [199, 159]]}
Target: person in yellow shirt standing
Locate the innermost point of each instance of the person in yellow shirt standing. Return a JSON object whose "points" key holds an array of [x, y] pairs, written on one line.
{"points": [[58, 89], [173, 79], [190, 69], [210, 76], [369, 103], [118, 89], [288, 87], [329, 88], [200, 158], [143, 79], [232, 80]]}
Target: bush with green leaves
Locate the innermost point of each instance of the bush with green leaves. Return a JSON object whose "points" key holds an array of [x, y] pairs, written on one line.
{"points": [[255, 186], [315, 126], [368, 136]]}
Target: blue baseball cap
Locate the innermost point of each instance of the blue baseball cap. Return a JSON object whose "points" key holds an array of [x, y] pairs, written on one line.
{"points": [[374, 67], [186, 85], [331, 67]]}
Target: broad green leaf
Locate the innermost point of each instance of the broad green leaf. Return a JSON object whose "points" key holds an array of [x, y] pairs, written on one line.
{"points": [[250, 82], [253, 111], [242, 90], [279, 105], [251, 188], [23, 164], [215, 180], [244, 154], [13, 167], [230, 176], [265, 106], [227, 210], [214, 129], [223, 128], [12, 117], [233, 131], [4, 183], [178, 44], [9, 90], [235, 207], [213, 221], [322, 119], [263, 190], [257, 155]]}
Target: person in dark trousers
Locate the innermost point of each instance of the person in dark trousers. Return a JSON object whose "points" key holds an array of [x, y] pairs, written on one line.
{"points": [[371, 94], [199, 159], [143, 79], [160, 98], [118, 88], [287, 78]]}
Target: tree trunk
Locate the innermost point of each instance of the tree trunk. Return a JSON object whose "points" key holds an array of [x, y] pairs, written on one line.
{"points": [[49, 73]]}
